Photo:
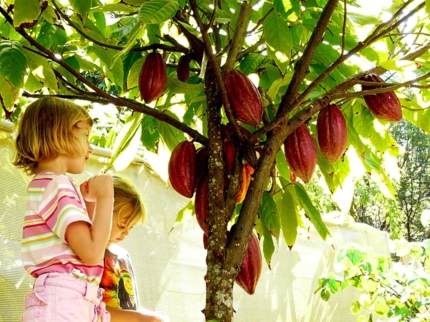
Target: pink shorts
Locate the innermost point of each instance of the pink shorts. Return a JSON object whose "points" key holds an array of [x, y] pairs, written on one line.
{"points": [[60, 297]]}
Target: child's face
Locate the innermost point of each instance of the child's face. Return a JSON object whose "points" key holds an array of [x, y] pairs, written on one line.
{"points": [[119, 229], [82, 132]]}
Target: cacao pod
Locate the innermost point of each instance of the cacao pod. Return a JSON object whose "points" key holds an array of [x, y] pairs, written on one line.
{"points": [[331, 132], [247, 172], [152, 77], [201, 204], [182, 168], [244, 97], [228, 130], [301, 153], [384, 106], [183, 70], [250, 270], [202, 157], [229, 151]]}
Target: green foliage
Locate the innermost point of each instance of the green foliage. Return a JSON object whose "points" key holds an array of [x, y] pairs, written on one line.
{"points": [[395, 290]]}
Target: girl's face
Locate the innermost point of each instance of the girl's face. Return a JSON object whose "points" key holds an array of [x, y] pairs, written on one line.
{"points": [[82, 132], [119, 229]]}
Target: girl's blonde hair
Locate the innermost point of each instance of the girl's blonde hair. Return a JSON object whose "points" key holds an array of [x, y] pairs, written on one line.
{"points": [[45, 130], [128, 198]]}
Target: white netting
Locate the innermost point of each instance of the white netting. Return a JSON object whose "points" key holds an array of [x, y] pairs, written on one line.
{"points": [[170, 263]]}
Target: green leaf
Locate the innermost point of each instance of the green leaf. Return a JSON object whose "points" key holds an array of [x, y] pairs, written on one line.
{"points": [[25, 11], [127, 143], [118, 7], [13, 63], [288, 214], [176, 86], [157, 11], [6, 93], [42, 71], [355, 255], [170, 135], [268, 245], [251, 62], [187, 211], [278, 38], [150, 134], [269, 214], [81, 7], [277, 84], [133, 75], [282, 166], [312, 212]]}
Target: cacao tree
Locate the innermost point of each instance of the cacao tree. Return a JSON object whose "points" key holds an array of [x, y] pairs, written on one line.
{"points": [[255, 72]]}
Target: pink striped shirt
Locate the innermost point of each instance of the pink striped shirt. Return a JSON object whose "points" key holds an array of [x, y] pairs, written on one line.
{"points": [[53, 203]]}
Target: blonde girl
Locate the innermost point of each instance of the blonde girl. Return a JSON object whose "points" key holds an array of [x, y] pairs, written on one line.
{"points": [[118, 281], [66, 228]]}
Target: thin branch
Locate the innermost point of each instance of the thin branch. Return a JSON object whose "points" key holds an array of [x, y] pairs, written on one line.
{"points": [[133, 105]]}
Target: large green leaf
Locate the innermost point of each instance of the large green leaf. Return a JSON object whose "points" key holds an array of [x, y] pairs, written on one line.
{"points": [[13, 63], [150, 134], [311, 211], [6, 93], [176, 86], [133, 75], [269, 215], [171, 135], [157, 11], [25, 11], [288, 212], [277, 34], [127, 143], [81, 7], [251, 62], [42, 71]]}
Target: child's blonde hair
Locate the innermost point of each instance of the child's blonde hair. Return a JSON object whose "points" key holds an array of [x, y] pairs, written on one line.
{"points": [[127, 197], [45, 130]]}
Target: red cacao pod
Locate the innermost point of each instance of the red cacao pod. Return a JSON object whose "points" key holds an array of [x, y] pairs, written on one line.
{"points": [[201, 204], [182, 168], [250, 270], [301, 153], [228, 130], [202, 157], [331, 132], [244, 97], [384, 106], [152, 77], [183, 69], [229, 150]]}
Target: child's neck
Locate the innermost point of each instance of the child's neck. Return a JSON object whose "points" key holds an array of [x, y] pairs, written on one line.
{"points": [[56, 165]]}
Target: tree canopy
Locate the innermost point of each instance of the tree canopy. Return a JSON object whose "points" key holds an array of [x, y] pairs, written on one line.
{"points": [[301, 56]]}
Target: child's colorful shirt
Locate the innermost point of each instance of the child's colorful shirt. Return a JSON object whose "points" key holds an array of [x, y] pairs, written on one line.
{"points": [[118, 280], [53, 203]]}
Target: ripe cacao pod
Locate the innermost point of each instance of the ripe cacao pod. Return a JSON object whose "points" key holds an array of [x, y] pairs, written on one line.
{"points": [[202, 157], [244, 97], [331, 132], [247, 172], [182, 168], [201, 204], [227, 130], [384, 106], [183, 69], [301, 153], [152, 77], [250, 270]]}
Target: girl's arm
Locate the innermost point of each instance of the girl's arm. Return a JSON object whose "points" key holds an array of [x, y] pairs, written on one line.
{"points": [[120, 315], [90, 243]]}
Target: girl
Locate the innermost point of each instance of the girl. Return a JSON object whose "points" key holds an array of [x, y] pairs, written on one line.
{"points": [[63, 239], [118, 281]]}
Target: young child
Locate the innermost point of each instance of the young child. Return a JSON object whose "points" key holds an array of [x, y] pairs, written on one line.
{"points": [[118, 281], [66, 228]]}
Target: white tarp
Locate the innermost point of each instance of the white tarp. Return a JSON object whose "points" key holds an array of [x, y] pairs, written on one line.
{"points": [[169, 259]]}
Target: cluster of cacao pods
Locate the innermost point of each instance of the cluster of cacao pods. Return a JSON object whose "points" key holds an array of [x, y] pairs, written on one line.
{"points": [[244, 97], [300, 149], [384, 106], [152, 77]]}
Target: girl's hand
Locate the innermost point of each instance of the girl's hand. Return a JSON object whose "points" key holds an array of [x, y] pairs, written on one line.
{"points": [[99, 186]]}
